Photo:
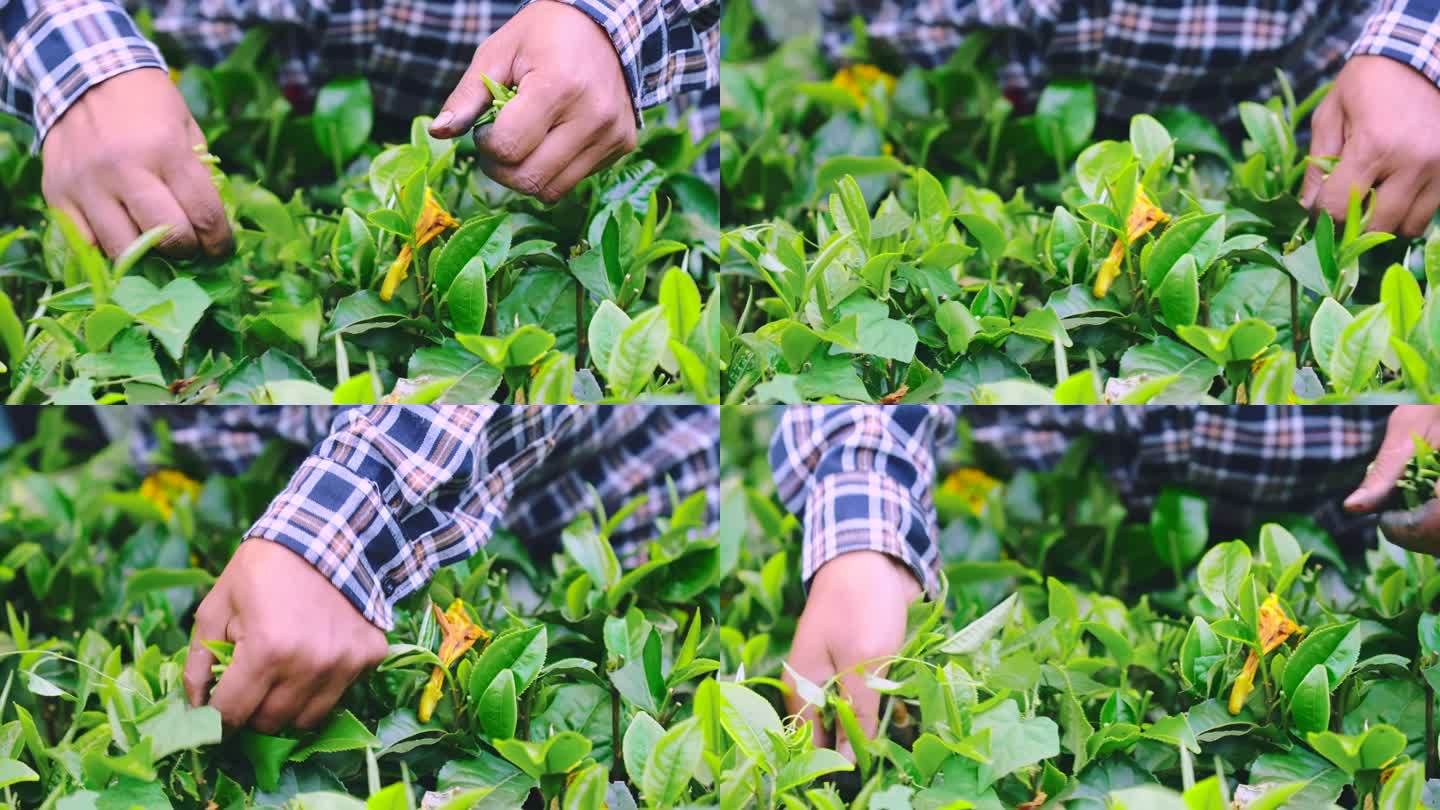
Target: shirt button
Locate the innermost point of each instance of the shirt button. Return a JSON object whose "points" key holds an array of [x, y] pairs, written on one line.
{"points": [[388, 587]]}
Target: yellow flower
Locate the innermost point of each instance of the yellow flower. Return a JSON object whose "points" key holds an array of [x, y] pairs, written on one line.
{"points": [[858, 79], [164, 487], [1144, 215], [1275, 628], [971, 486], [434, 221], [458, 634]]}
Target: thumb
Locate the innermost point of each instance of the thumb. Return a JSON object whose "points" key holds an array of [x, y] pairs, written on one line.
{"points": [[1327, 135], [1395, 452], [198, 659], [494, 58]]}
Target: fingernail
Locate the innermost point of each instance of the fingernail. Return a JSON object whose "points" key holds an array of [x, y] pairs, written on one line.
{"points": [[442, 120]]}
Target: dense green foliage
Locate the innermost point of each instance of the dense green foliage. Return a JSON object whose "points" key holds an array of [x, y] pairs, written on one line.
{"points": [[1068, 659], [914, 238], [603, 296], [589, 673], [1073, 668]]}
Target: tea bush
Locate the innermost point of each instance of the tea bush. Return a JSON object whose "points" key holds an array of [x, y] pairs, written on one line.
{"points": [[913, 238], [1067, 666]]}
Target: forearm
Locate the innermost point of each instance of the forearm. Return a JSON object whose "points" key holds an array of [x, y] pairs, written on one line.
{"points": [[666, 47], [56, 50], [1407, 31], [861, 479]]}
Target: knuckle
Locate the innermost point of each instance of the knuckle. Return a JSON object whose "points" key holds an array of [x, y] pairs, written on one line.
{"points": [[194, 678], [502, 146], [267, 724], [274, 649], [527, 183], [206, 612]]}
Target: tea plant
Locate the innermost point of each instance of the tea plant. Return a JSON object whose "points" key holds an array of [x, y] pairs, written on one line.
{"points": [[365, 272], [1072, 667], [911, 238], [1421, 475], [516, 679]]}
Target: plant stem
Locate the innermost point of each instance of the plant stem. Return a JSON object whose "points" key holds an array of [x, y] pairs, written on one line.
{"points": [[1295, 317], [1430, 770], [582, 339], [617, 770]]}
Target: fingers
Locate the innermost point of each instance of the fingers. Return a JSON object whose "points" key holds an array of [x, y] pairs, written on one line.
{"points": [[1326, 138], [577, 170], [110, 222], [150, 205], [863, 699], [78, 220], [1395, 451], [1416, 529], [565, 157], [209, 626], [527, 119], [322, 700], [189, 181], [470, 97], [810, 659], [1422, 211], [283, 704], [1393, 200], [1355, 172], [244, 685]]}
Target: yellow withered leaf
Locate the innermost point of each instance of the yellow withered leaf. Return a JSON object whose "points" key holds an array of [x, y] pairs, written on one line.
{"points": [[1275, 628], [434, 220], [1244, 683], [1144, 216], [458, 634], [856, 80], [399, 269], [971, 485], [163, 488]]}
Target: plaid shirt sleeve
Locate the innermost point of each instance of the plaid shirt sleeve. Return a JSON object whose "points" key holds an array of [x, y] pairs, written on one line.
{"points": [[1407, 31], [666, 47], [397, 492], [53, 51], [228, 438], [861, 479]]}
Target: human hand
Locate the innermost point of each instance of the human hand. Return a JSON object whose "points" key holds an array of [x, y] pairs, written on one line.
{"points": [[571, 113], [122, 160], [1417, 529], [1380, 118], [854, 619], [298, 641]]}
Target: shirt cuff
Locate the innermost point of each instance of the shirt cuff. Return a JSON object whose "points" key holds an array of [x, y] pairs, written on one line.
{"points": [[64, 48], [1407, 31], [865, 511], [327, 515]]}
